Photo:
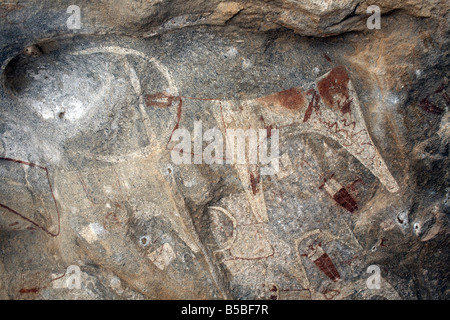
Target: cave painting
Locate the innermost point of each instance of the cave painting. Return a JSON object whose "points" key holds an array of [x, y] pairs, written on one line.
{"points": [[333, 111], [249, 249], [28, 191], [247, 241], [329, 108]]}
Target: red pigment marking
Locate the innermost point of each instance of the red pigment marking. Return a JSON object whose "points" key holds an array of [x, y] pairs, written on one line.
{"points": [[30, 290], [382, 243], [33, 165], [334, 124], [234, 258], [24, 162], [254, 182], [442, 87], [335, 85], [325, 180], [110, 219], [330, 294], [37, 289], [327, 57], [160, 100], [345, 200], [286, 97], [268, 128], [302, 292], [118, 182], [363, 141], [59, 277], [347, 133], [179, 112], [352, 187], [10, 7], [446, 97], [7, 8], [269, 131], [261, 118], [325, 264], [350, 261], [305, 161], [85, 188], [313, 104], [179, 115], [13, 224], [429, 107], [278, 193], [291, 99]]}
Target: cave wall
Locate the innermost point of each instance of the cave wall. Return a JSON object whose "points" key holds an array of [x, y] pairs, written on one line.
{"points": [[87, 156]]}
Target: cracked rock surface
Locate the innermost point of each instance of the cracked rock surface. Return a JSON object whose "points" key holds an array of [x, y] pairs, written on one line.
{"points": [[94, 205]]}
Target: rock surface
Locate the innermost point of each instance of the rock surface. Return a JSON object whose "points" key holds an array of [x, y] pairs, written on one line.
{"points": [[93, 205]]}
